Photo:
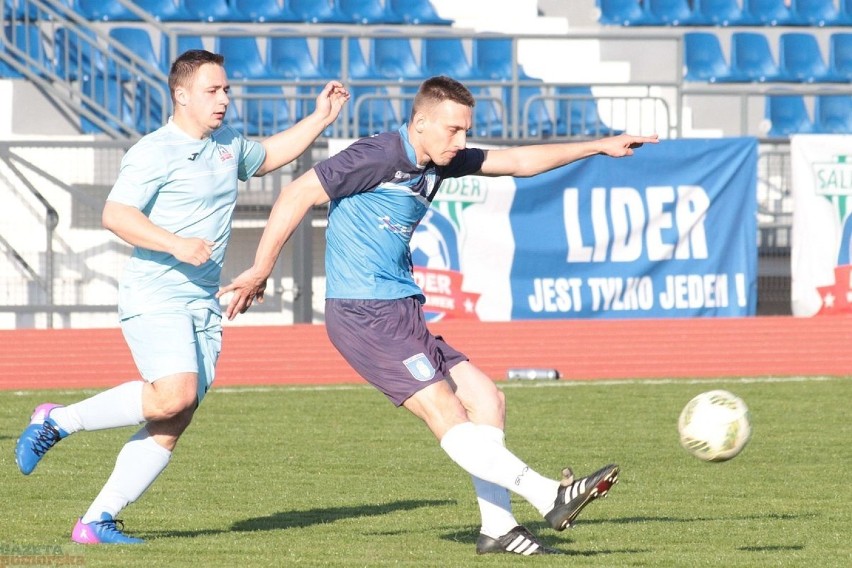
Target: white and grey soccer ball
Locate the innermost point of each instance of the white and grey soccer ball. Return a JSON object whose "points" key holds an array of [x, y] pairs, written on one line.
{"points": [[714, 426]]}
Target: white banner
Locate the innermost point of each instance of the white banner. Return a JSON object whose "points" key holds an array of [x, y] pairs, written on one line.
{"points": [[822, 225]]}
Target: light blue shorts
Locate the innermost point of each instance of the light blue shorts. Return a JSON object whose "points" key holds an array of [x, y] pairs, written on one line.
{"points": [[175, 341]]}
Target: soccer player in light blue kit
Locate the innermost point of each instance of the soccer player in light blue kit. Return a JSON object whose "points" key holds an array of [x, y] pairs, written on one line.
{"points": [[173, 201], [378, 190]]}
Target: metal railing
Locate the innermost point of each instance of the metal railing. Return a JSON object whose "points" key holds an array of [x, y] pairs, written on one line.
{"points": [[517, 110]]}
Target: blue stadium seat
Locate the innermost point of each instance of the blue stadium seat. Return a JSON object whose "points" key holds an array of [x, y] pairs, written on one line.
{"points": [[6, 70], [751, 57], [407, 102], [265, 110], [150, 106], [787, 114], [322, 12], [242, 56], [186, 40], [533, 116], [704, 59], [721, 12], [165, 10], [330, 54], [833, 114], [816, 12], [577, 113], [136, 40], [213, 11], [769, 12], [75, 54], [17, 10], [415, 12], [840, 56], [27, 39], [487, 114], [265, 11], [372, 111], [105, 10], [625, 13], [107, 101], [492, 58], [800, 59], [234, 118], [845, 16], [674, 12], [445, 56], [367, 12], [393, 58], [289, 57]]}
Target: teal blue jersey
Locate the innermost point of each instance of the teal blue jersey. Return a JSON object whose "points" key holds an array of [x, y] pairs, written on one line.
{"points": [[379, 194], [189, 188]]}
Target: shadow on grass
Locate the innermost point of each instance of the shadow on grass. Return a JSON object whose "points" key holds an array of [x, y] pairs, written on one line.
{"points": [[775, 548], [469, 536], [301, 519], [305, 518]]}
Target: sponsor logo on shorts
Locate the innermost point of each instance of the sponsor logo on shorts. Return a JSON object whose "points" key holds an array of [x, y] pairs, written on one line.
{"points": [[420, 367]]}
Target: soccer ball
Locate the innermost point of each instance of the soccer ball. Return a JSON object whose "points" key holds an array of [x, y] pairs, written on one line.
{"points": [[714, 426]]}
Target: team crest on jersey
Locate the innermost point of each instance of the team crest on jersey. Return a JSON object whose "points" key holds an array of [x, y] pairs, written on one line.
{"points": [[420, 367], [224, 153]]}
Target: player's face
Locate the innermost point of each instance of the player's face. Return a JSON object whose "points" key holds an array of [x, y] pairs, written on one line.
{"points": [[206, 100], [442, 132]]}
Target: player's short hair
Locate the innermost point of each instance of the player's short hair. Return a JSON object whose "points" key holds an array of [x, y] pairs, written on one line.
{"points": [[185, 66], [439, 89]]}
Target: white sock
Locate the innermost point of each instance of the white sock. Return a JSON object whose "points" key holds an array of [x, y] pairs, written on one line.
{"points": [[113, 408], [484, 458], [495, 507], [139, 463]]}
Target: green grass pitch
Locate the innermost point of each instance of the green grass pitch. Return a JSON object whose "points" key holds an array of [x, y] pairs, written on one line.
{"points": [[287, 476]]}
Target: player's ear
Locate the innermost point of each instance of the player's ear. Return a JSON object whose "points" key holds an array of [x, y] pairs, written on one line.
{"points": [[419, 121], [180, 96]]}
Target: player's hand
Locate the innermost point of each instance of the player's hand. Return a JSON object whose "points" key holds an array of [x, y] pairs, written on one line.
{"points": [[193, 250], [624, 144], [247, 287], [331, 100]]}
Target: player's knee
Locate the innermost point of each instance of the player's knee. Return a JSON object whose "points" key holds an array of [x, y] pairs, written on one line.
{"points": [[170, 398], [177, 408], [500, 401]]}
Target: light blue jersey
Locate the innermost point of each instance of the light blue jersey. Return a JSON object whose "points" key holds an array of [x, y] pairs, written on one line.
{"points": [[189, 188], [379, 194]]}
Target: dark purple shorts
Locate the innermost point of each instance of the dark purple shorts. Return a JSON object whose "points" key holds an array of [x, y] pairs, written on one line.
{"points": [[388, 343]]}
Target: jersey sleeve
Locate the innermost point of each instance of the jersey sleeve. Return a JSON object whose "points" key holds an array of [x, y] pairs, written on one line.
{"points": [[360, 167], [467, 162], [140, 176], [252, 155]]}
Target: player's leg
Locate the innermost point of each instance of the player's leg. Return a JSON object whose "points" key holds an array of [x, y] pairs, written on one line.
{"points": [[148, 452], [128, 404], [484, 404], [483, 456], [400, 358]]}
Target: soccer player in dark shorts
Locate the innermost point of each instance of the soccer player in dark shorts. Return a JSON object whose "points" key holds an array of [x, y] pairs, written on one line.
{"points": [[378, 190]]}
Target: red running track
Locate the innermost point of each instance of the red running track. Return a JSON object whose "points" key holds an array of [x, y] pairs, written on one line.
{"points": [[579, 349]]}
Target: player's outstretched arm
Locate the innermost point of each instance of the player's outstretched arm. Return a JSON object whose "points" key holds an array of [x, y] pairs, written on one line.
{"points": [[290, 208], [286, 146], [525, 161]]}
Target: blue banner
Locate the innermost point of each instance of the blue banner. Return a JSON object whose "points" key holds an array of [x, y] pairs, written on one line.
{"points": [[668, 232]]}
